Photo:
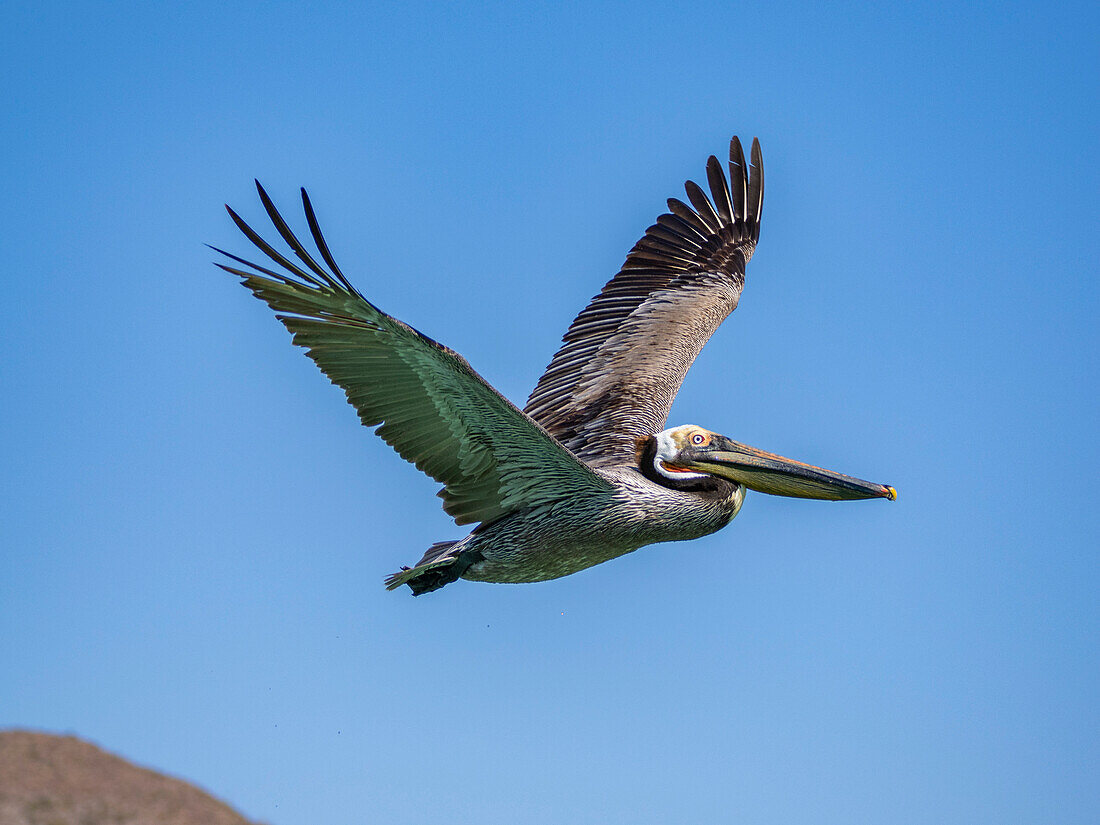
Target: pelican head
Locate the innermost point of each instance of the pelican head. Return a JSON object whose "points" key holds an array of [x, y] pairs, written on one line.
{"points": [[690, 451]]}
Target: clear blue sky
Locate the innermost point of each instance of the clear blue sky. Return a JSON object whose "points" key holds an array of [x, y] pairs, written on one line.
{"points": [[195, 528]]}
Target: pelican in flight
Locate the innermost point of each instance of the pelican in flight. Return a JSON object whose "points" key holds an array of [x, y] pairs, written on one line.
{"points": [[587, 470]]}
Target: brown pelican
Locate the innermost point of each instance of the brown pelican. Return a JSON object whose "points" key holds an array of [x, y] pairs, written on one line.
{"points": [[586, 471]]}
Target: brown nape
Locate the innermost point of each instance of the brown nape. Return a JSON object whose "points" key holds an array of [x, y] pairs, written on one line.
{"points": [[707, 487]]}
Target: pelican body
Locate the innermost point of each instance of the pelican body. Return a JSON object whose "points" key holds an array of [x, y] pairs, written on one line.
{"points": [[587, 470]]}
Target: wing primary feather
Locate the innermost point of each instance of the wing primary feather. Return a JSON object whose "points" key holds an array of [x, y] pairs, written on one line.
{"points": [[660, 230], [739, 178], [703, 207], [292, 239], [679, 225], [756, 190], [247, 276], [653, 255], [322, 246], [257, 267], [267, 249], [687, 215], [719, 190]]}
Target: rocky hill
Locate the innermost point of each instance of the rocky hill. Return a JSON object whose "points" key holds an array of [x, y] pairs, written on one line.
{"points": [[62, 780]]}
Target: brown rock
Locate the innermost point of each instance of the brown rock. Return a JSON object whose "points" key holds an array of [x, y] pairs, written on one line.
{"points": [[61, 780]]}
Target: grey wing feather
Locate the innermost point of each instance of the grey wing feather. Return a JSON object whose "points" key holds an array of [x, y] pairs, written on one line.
{"points": [[624, 357], [425, 399]]}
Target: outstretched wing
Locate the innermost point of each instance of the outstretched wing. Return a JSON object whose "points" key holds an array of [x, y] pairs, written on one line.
{"points": [[625, 356], [430, 404]]}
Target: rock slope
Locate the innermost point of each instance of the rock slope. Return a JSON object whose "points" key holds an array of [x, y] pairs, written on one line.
{"points": [[61, 780]]}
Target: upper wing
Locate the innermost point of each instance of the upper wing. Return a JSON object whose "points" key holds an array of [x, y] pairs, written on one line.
{"points": [[625, 356], [432, 407]]}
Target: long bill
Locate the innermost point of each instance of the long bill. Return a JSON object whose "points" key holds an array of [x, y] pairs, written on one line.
{"points": [[776, 475]]}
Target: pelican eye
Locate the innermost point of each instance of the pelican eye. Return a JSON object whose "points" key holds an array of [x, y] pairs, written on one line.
{"points": [[698, 439]]}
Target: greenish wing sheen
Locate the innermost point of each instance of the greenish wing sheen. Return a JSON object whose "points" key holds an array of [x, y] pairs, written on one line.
{"points": [[425, 399]]}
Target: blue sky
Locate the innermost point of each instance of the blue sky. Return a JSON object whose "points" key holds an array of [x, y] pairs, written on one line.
{"points": [[194, 527]]}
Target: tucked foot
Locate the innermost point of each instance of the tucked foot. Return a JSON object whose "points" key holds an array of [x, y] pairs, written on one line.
{"points": [[440, 566]]}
